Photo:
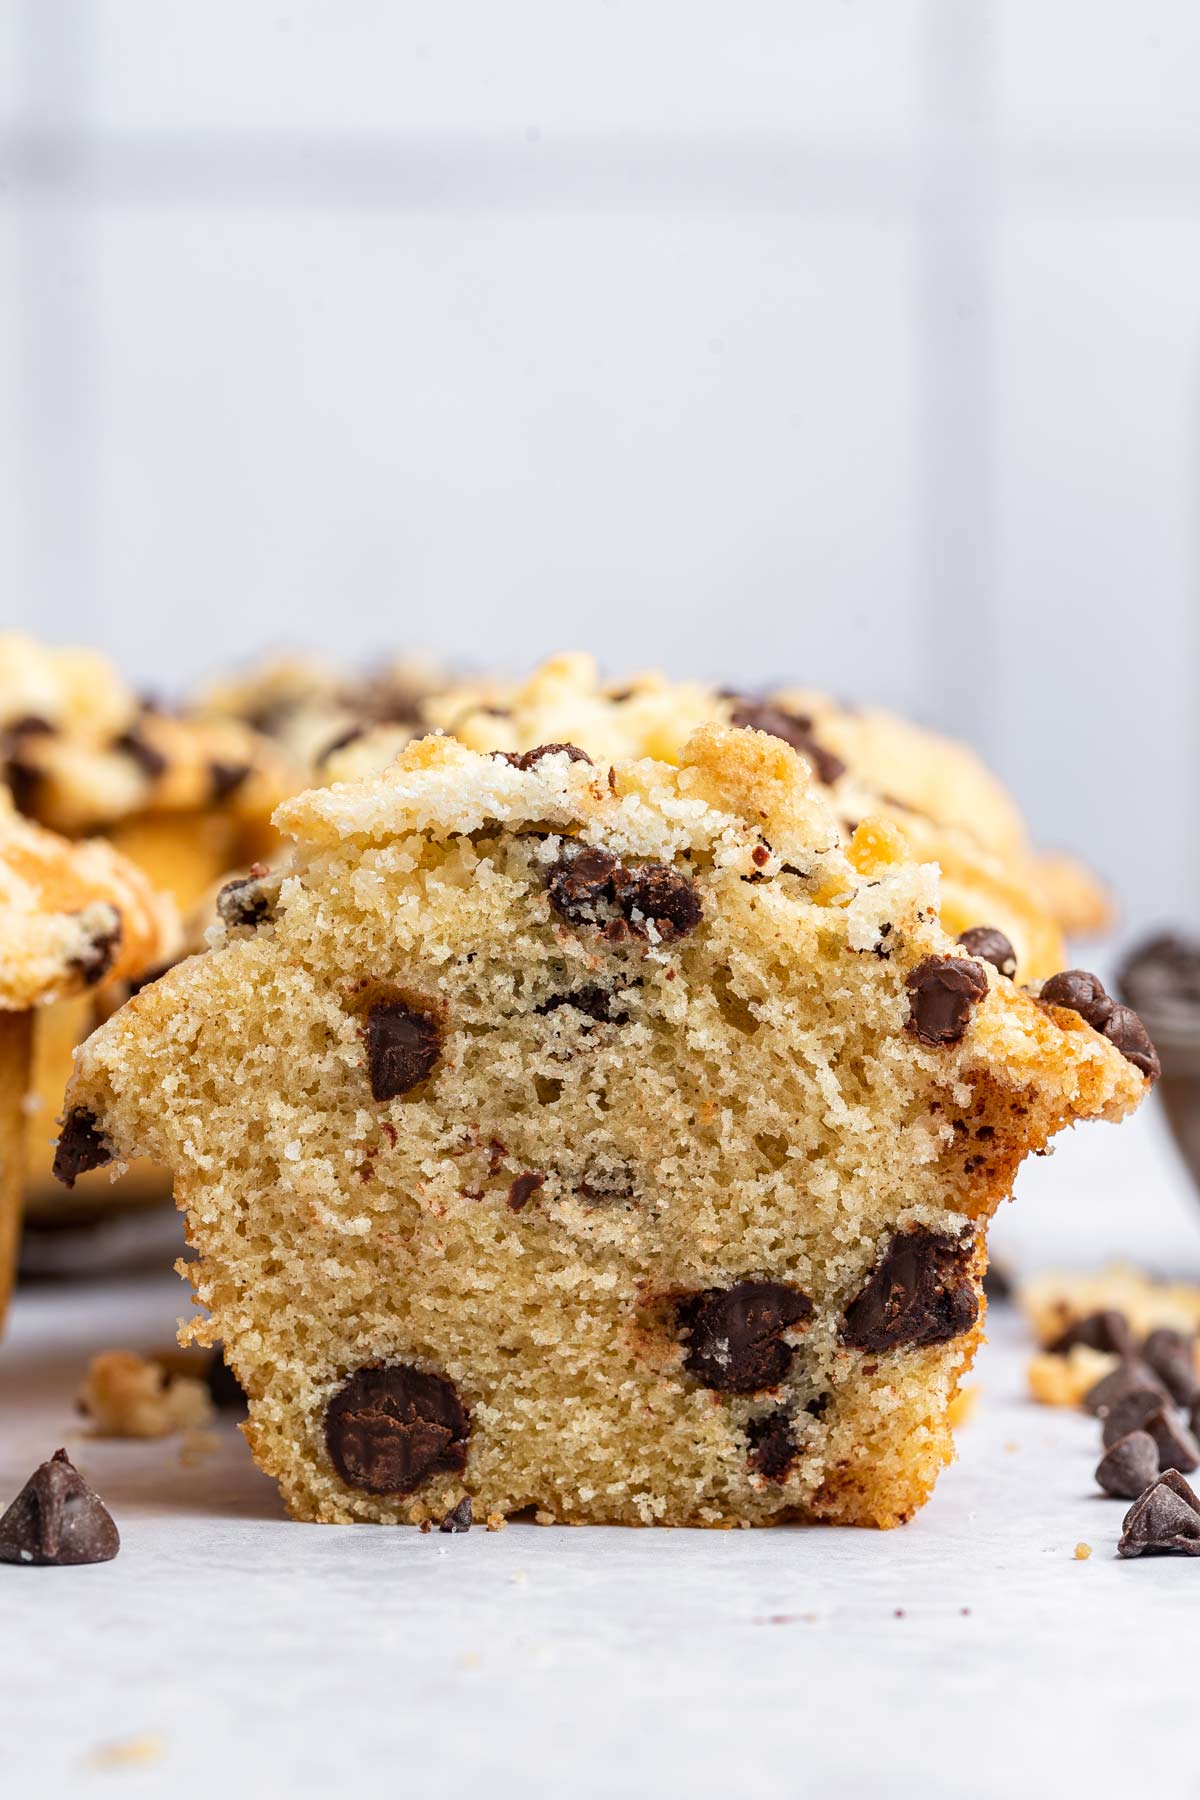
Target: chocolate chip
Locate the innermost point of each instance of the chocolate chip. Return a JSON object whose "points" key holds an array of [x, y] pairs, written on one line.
{"points": [[1080, 992], [149, 760], [102, 950], [523, 1187], [661, 894], [920, 1293], [1171, 1354], [794, 728], [1129, 1466], [997, 1284], [578, 882], [1166, 1518], [734, 1334], [225, 1390], [24, 782], [1109, 1331], [227, 778], [403, 1046], [245, 901], [459, 1517], [595, 1002], [1128, 1378], [350, 735], [773, 1446], [1162, 978], [56, 1519], [1135, 1411], [27, 726], [387, 1429], [81, 1146], [942, 993], [531, 758], [1124, 1029], [990, 945]]}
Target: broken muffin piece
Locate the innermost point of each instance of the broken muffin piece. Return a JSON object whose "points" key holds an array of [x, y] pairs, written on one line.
{"points": [[578, 1138]]}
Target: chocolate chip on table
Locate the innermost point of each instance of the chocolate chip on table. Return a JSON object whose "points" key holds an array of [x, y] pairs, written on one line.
{"points": [[1080, 992], [529, 759], [919, 1293], [81, 1147], [794, 728], [244, 901], [661, 894], [773, 1446], [149, 760], [1135, 1411], [1166, 1518], [1132, 1376], [942, 994], [1108, 1330], [102, 950], [1124, 1029], [523, 1187], [1171, 1354], [227, 778], [734, 1334], [579, 882], [56, 1519], [459, 1518], [387, 1429], [1129, 1466], [990, 945], [403, 1046]]}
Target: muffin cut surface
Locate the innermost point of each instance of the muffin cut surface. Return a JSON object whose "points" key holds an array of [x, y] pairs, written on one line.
{"points": [[611, 1143]]}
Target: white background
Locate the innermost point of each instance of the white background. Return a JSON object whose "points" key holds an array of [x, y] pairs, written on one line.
{"points": [[853, 341]]}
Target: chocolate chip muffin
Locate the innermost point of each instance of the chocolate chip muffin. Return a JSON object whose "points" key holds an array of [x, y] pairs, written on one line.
{"points": [[74, 918], [601, 1138], [183, 798]]}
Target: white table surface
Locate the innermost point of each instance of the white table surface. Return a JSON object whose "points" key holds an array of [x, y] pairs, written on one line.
{"points": [[234, 1653]]}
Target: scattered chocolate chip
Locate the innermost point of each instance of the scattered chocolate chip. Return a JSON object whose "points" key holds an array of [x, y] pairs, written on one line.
{"points": [[734, 1334], [102, 950], [81, 1146], [523, 1187], [920, 1293], [1109, 1331], [1161, 978], [942, 993], [990, 945], [1134, 1411], [245, 901], [225, 1390], [661, 894], [1124, 1029], [578, 883], [403, 1046], [1129, 1466], [530, 758], [56, 1519], [1166, 1518], [1171, 1354], [1129, 1377], [1080, 992], [997, 1284], [459, 1517], [794, 728], [773, 1446], [149, 760], [227, 778], [387, 1429]]}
